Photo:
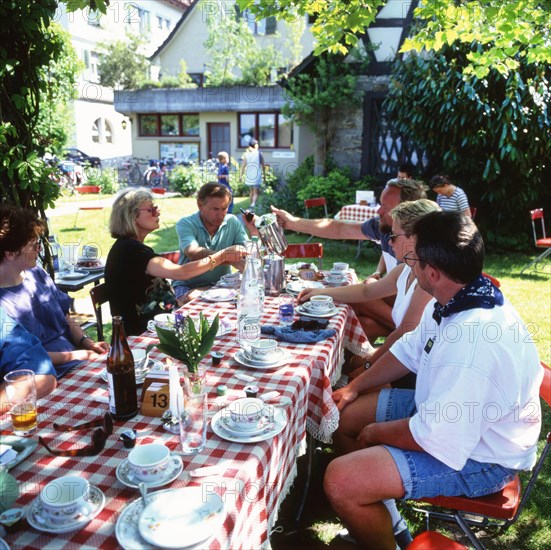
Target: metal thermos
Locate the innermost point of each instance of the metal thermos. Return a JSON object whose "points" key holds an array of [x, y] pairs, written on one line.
{"points": [[274, 274], [271, 234]]}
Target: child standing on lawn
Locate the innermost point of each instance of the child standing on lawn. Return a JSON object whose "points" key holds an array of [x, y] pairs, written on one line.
{"points": [[224, 174]]}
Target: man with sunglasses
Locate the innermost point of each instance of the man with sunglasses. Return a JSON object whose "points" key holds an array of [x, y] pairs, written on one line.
{"points": [[472, 421], [211, 229]]}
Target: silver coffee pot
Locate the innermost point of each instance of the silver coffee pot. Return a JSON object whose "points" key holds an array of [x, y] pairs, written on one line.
{"points": [[271, 234], [274, 274]]}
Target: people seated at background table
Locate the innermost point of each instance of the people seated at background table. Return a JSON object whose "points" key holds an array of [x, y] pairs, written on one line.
{"points": [[448, 196], [211, 229], [410, 300], [135, 275], [30, 296], [474, 418], [406, 171], [19, 349], [373, 313]]}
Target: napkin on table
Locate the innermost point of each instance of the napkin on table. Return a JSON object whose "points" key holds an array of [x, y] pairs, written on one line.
{"points": [[287, 334], [7, 453]]}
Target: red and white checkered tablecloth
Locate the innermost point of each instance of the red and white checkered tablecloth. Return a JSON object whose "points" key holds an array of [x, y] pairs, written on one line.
{"points": [[356, 213], [253, 479]]}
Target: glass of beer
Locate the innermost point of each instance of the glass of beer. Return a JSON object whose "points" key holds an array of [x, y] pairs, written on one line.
{"points": [[21, 394]]}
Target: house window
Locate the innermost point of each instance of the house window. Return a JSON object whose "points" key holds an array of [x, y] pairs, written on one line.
{"points": [[272, 130], [169, 125], [260, 27], [145, 21], [102, 131], [160, 22], [93, 17], [148, 125], [168, 24], [198, 78]]}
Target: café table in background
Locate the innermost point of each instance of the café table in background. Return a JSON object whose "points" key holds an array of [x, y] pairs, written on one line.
{"points": [[354, 213], [253, 479]]}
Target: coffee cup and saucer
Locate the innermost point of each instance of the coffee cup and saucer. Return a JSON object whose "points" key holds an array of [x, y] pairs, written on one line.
{"points": [[65, 504], [319, 305], [152, 464], [263, 353], [162, 320], [336, 277]]}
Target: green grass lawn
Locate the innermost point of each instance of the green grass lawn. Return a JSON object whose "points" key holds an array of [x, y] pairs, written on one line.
{"points": [[530, 294]]}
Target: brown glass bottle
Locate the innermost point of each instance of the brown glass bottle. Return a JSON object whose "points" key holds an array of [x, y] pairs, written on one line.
{"points": [[121, 376]]}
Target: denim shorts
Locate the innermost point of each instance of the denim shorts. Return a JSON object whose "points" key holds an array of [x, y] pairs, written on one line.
{"points": [[425, 476]]}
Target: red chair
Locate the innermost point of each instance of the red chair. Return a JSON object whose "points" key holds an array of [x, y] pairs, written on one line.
{"points": [[306, 250], [542, 242], [494, 281], [431, 540], [500, 509], [473, 211], [313, 203]]}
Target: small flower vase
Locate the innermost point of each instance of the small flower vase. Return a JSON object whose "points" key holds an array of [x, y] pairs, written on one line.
{"points": [[195, 381]]}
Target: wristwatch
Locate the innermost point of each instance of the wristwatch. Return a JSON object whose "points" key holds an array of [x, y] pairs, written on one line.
{"points": [[367, 365]]}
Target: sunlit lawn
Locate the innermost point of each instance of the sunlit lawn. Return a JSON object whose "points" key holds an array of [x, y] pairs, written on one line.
{"points": [[530, 294]]}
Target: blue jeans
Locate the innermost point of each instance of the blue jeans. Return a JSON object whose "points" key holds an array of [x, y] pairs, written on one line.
{"points": [[425, 476]]}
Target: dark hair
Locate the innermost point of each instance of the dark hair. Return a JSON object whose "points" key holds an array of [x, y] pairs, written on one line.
{"points": [[410, 190], [439, 181], [18, 226], [213, 189], [450, 242], [408, 168]]}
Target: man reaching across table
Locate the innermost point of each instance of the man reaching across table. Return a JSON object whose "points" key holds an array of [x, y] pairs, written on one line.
{"points": [[474, 418]]}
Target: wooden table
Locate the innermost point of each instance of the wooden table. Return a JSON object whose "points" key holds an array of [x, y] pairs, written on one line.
{"points": [[253, 478], [73, 285]]}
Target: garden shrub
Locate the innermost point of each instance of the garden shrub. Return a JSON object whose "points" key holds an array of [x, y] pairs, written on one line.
{"points": [[107, 179], [185, 180]]}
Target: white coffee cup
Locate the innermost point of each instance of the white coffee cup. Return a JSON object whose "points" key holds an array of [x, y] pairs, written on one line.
{"points": [[336, 277], [163, 320], [246, 413], [149, 462], [340, 266], [320, 303], [231, 277], [140, 358], [263, 349], [66, 498]]}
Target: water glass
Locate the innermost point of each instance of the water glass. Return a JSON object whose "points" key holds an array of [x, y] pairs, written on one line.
{"points": [[21, 394], [193, 424], [286, 309]]}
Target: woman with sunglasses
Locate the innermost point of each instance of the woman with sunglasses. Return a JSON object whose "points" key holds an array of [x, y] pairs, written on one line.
{"points": [[28, 294], [135, 275], [410, 298]]}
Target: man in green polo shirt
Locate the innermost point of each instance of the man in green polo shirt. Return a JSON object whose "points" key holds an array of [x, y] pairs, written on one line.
{"points": [[209, 230]]}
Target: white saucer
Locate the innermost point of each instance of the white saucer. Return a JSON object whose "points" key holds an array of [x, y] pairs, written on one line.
{"points": [[189, 515], [304, 311], [97, 499], [219, 295], [295, 287], [274, 428], [125, 476], [140, 376], [242, 360], [227, 424], [127, 530], [73, 275]]}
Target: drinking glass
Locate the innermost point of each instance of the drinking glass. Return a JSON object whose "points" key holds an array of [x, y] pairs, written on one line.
{"points": [[286, 309], [193, 424], [21, 394]]}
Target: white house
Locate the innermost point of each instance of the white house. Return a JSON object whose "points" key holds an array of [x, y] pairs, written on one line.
{"points": [[98, 129]]}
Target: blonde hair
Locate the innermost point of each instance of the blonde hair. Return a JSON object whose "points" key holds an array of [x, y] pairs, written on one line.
{"points": [[122, 222], [407, 213], [223, 155]]}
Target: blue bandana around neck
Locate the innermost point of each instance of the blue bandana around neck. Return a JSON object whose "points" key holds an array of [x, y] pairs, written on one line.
{"points": [[479, 293]]}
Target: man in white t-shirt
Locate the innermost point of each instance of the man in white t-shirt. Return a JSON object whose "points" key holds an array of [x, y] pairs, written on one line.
{"points": [[474, 418]]}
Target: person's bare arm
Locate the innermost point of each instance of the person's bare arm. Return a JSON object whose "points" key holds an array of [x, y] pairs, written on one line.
{"points": [[395, 433], [467, 212], [45, 384], [161, 267], [379, 272], [324, 228]]}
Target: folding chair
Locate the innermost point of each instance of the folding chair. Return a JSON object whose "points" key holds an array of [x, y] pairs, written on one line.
{"points": [[500, 509], [98, 295], [312, 203], [473, 210], [542, 242], [306, 250], [431, 540], [81, 208]]}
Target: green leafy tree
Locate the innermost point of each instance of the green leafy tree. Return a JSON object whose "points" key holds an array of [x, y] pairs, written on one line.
{"points": [[184, 80], [122, 65], [313, 96], [507, 28], [491, 135]]}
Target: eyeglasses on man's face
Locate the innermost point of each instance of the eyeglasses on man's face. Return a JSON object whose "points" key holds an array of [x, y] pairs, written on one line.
{"points": [[154, 210], [35, 245], [410, 260]]}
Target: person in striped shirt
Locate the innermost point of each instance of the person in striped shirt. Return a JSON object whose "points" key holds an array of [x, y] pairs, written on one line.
{"points": [[449, 197]]}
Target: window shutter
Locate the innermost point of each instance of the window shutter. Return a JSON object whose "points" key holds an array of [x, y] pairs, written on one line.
{"points": [[271, 25]]}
